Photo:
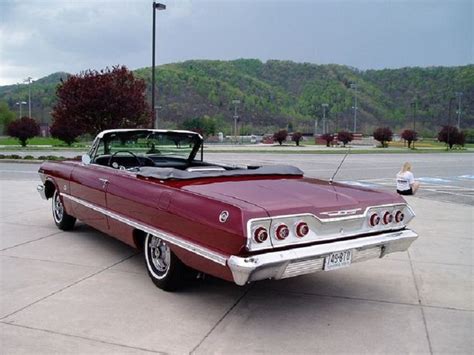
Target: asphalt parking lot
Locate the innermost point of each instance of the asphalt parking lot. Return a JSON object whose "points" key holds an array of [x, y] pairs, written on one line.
{"points": [[83, 292]]}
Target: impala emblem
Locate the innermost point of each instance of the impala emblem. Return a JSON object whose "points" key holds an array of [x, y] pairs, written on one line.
{"points": [[341, 213], [223, 216]]}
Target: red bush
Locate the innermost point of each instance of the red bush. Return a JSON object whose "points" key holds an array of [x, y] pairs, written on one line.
{"points": [[328, 138], [410, 136], [23, 129], [451, 136], [345, 137], [383, 135], [297, 137], [280, 136]]}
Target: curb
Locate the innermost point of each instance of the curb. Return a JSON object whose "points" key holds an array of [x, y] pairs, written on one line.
{"points": [[21, 161]]}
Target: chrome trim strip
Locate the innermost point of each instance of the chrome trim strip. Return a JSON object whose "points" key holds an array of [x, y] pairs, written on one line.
{"points": [[272, 265], [179, 242]]}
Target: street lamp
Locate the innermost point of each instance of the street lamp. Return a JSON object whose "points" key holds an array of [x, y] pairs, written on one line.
{"points": [[459, 96], [20, 103], [354, 87], [156, 6], [324, 117], [236, 117], [28, 80]]}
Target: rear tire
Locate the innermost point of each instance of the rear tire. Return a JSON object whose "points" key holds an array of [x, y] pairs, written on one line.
{"points": [[62, 220], [164, 268]]}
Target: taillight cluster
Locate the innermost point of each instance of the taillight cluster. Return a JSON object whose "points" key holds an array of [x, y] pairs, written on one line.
{"points": [[282, 231], [386, 217]]}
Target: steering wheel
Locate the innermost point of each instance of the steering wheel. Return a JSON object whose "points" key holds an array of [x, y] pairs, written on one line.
{"points": [[123, 151]]}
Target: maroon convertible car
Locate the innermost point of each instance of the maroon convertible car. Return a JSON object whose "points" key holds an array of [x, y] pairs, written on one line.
{"points": [[152, 189]]}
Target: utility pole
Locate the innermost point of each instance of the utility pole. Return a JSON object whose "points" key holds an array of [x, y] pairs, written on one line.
{"points": [[449, 118], [28, 80], [354, 87], [324, 118], [236, 117], [459, 96]]}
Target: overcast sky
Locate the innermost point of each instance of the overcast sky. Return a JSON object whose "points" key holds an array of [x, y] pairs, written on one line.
{"points": [[39, 37]]}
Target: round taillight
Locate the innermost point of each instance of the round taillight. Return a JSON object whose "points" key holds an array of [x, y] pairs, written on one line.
{"points": [[387, 218], [374, 220], [260, 235], [282, 232], [399, 216], [302, 229]]}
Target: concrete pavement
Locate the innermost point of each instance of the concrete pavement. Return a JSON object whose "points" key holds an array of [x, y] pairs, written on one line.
{"points": [[83, 292]]}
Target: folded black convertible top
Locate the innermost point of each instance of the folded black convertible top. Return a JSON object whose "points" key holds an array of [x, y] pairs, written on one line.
{"points": [[176, 174]]}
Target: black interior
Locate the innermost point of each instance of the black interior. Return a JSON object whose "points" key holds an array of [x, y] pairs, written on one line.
{"points": [[129, 162]]}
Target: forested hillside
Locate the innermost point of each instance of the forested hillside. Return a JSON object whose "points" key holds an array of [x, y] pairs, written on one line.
{"points": [[275, 94]]}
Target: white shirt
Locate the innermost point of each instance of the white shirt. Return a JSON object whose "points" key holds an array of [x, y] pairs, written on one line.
{"points": [[405, 180]]}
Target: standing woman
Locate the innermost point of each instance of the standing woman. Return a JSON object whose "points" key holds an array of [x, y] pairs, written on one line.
{"points": [[406, 184]]}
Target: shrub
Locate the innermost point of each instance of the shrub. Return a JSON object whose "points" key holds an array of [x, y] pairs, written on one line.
{"points": [[345, 137], [383, 135], [410, 136], [297, 137], [451, 136], [328, 137], [23, 129], [28, 157], [280, 136]]}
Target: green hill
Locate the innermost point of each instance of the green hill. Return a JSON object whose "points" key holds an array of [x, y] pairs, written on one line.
{"points": [[276, 93]]}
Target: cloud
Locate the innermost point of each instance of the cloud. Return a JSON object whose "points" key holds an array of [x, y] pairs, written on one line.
{"points": [[38, 37]]}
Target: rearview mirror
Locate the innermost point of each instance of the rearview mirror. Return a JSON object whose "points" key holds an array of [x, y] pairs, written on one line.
{"points": [[86, 159]]}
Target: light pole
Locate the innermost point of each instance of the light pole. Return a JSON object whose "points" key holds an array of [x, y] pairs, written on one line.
{"points": [[28, 80], [354, 87], [20, 103], [156, 6], [236, 117], [459, 96], [324, 117], [156, 116], [413, 104]]}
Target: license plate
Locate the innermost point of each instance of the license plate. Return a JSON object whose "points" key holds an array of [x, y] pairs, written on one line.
{"points": [[338, 260]]}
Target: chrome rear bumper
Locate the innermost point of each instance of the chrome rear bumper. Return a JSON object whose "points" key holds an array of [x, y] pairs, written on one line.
{"points": [[304, 260]]}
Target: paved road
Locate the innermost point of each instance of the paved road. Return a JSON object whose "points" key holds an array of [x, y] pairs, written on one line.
{"points": [[444, 177], [83, 292]]}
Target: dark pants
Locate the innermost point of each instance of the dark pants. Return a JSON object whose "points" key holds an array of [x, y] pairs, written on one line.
{"points": [[405, 192]]}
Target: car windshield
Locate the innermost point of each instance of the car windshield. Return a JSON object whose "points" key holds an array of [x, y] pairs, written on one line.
{"points": [[150, 143]]}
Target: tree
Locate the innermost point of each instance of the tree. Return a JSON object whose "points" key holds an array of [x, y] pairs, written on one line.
{"points": [[410, 136], [345, 137], [328, 137], [297, 137], [93, 101], [23, 129], [383, 135], [451, 136], [206, 126], [280, 136], [6, 116]]}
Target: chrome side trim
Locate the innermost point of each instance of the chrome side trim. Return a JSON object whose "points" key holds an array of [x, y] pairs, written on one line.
{"points": [[298, 261], [175, 240]]}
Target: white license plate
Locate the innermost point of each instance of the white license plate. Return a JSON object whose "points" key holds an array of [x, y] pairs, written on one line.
{"points": [[338, 260]]}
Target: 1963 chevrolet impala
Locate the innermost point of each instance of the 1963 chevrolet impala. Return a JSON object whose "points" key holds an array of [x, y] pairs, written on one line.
{"points": [[152, 189]]}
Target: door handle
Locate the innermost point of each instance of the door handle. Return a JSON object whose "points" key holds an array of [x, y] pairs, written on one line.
{"points": [[104, 182]]}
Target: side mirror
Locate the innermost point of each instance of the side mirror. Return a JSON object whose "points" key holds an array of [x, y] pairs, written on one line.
{"points": [[86, 159]]}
